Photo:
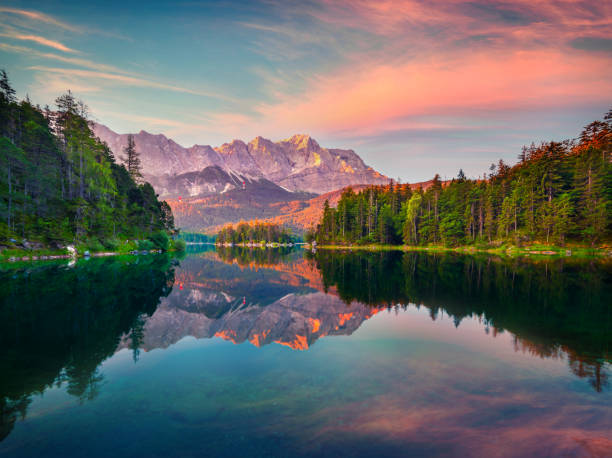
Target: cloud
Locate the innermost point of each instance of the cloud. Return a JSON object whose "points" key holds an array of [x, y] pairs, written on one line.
{"points": [[66, 59], [40, 40], [34, 20], [40, 17], [372, 96], [592, 43], [391, 17], [125, 80], [411, 60]]}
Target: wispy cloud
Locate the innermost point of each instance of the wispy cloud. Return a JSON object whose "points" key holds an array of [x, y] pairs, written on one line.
{"points": [[40, 17], [60, 58], [37, 21], [410, 59], [126, 80], [372, 97], [40, 40]]}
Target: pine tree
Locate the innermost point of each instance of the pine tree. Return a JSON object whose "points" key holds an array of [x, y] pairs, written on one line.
{"points": [[6, 88], [131, 160]]}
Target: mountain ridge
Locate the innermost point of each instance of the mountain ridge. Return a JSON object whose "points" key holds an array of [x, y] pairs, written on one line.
{"points": [[297, 163]]}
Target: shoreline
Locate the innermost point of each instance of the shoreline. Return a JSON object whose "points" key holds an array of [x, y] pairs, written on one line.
{"points": [[511, 251], [59, 255]]}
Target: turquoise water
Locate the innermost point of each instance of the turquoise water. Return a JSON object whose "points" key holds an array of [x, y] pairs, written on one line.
{"points": [[290, 354]]}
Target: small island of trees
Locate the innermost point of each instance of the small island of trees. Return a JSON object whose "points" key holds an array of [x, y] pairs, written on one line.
{"points": [[255, 233]]}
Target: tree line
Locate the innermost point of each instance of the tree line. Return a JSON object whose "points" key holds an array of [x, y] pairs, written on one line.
{"points": [[59, 183], [255, 232], [557, 191]]}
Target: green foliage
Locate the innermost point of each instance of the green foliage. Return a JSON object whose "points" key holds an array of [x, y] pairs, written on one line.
{"points": [[131, 160], [145, 245], [178, 245], [160, 240], [60, 184], [309, 236], [559, 191]]}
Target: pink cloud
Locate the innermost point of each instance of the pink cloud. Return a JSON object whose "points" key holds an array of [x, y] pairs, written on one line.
{"points": [[40, 17], [371, 96], [391, 17], [41, 40], [436, 59]]}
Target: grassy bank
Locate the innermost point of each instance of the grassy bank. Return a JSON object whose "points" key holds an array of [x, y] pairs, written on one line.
{"points": [[114, 247], [503, 250]]}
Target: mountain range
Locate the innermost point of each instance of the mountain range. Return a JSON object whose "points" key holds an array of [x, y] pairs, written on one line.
{"points": [[208, 187], [298, 163]]}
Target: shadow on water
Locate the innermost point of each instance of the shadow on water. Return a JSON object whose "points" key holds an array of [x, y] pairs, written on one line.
{"points": [[59, 323], [554, 308]]}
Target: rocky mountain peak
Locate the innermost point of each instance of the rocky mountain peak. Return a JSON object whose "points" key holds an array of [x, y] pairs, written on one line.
{"points": [[232, 147], [297, 163], [302, 142]]}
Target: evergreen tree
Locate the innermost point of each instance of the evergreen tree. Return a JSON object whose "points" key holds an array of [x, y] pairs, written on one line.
{"points": [[131, 160]]}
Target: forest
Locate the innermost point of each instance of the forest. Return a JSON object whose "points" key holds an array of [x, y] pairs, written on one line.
{"points": [[556, 193], [60, 184], [254, 232]]}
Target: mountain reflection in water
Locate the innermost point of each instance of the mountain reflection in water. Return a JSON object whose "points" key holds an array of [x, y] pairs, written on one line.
{"points": [[58, 324], [553, 308]]}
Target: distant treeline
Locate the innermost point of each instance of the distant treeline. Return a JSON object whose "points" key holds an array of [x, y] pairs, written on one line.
{"points": [[60, 183], [194, 237], [557, 191], [255, 232]]}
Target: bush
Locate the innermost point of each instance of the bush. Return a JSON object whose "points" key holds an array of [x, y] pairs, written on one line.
{"points": [[145, 245], [179, 245], [160, 240], [95, 245], [127, 246], [111, 244]]}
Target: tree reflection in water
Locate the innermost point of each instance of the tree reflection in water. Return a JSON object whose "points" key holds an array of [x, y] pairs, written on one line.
{"points": [[554, 307], [58, 323]]}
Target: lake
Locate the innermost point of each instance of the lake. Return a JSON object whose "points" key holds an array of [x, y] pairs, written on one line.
{"points": [[285, 352]]}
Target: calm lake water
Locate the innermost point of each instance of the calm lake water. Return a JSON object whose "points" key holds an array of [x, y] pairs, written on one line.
{"points": [[289, 353]]}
